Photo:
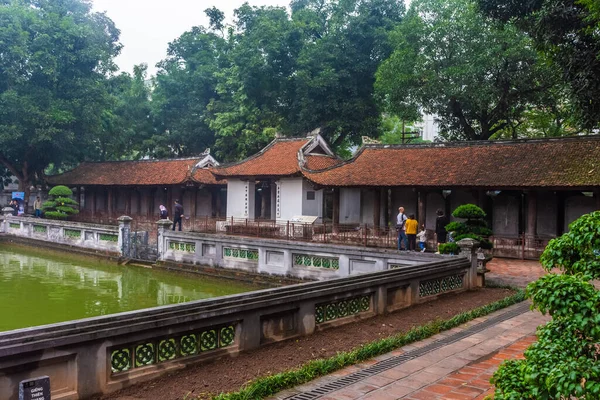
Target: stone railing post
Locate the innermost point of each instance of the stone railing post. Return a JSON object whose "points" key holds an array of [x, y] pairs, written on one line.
{"points": [[163, 225], [125, 235], [468, 248], [6, 213]]}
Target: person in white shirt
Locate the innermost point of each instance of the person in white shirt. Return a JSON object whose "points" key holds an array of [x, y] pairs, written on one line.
{"points": [[400, 228]]}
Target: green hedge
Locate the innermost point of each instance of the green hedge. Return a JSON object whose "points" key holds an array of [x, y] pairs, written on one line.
{"points": [[269, 385]]}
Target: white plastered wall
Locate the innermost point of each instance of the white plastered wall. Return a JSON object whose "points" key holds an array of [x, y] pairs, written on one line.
{"points": [[290, 195], [312, 207], [240, 198]]}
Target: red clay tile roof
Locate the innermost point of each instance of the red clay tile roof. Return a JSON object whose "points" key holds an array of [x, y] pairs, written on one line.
{"points": [[552, 163], [279, 158], [317, 162], [134, 173]]}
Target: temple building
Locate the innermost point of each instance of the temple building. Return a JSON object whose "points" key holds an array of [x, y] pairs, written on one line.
{"points": [[531, 190], [271, 185], [107, 190]]}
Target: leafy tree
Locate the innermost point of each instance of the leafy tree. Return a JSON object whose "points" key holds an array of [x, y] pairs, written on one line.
{"points": [[567, 32], [185, 84], [476, 76], [254, 92], [563, 363], [234, 87], [126, 120], [54, 57], [347, 40], [60, 205]]}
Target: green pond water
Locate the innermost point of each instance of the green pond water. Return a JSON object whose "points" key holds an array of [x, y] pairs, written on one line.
{"points": [[40, 287]]}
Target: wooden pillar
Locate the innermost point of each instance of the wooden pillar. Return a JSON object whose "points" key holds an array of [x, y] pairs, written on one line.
{"points": [[78, 194], [216, 193], [387, 198], [139, 201], [128, 202], [109, 203], [150, 202], [263, 203], [94, 203], [170, 206], [560, 213], [597, 196], [486, 203], [336, 209], [193, 203], [422, 207], [531, 229], [376, 208]]}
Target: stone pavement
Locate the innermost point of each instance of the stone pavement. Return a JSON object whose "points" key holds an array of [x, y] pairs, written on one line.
{"points": [[513, 272], [456, 370]]}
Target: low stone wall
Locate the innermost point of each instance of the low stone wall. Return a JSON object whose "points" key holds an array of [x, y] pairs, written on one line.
{"points": [[104, 354], [303, 260], [81, 235]]}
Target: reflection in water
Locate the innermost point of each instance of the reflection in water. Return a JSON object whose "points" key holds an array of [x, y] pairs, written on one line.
{"points": [[36, 289]]}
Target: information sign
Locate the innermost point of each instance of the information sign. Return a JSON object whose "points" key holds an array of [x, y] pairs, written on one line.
{"points": [[35, 389]]}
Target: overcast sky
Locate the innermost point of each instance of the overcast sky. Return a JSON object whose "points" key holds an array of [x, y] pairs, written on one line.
{"points": [[147, 26]]}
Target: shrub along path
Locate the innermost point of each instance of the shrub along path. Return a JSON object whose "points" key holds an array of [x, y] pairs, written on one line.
{"points": [[229, 374]]}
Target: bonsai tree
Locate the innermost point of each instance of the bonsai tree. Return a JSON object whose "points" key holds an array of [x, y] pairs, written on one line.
{"points": [[564, 363], [474, 227], [60, 205]]}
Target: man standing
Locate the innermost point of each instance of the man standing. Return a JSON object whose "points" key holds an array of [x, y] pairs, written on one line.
{"points": [[400, 227], [37, 206], [177, 214]]}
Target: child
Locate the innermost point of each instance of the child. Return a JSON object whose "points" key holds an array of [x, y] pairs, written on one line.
{"points": [[422, 235], [164, 214], [411, 232]]}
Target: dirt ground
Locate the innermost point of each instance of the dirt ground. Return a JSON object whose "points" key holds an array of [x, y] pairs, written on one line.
{"points": [[229, 374]]}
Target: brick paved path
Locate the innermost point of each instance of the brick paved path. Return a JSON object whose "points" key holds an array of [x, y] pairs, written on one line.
{"points": [[513, 272], [459, 370]]}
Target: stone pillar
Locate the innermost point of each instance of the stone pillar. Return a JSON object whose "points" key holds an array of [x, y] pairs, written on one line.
{"points": [[163, 225], [376, 208], [422, 208], [531, 213], [7, 213], [468, 248], [125, 235]]}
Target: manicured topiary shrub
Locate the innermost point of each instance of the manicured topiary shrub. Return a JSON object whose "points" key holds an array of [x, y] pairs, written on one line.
{"points": [[565, 361], [449, 248], [60, 205], [474, 227]]}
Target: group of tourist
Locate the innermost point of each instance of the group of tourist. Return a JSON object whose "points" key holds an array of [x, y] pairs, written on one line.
{"points": [[407, 227], [177, 214], [17, 207]]}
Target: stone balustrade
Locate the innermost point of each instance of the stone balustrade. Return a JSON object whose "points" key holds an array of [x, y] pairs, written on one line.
{"points": [[86, 236], [104, 354]]}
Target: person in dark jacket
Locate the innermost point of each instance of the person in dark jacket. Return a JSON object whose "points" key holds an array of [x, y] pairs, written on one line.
{"points": [[177, 214], [440, 227]]}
